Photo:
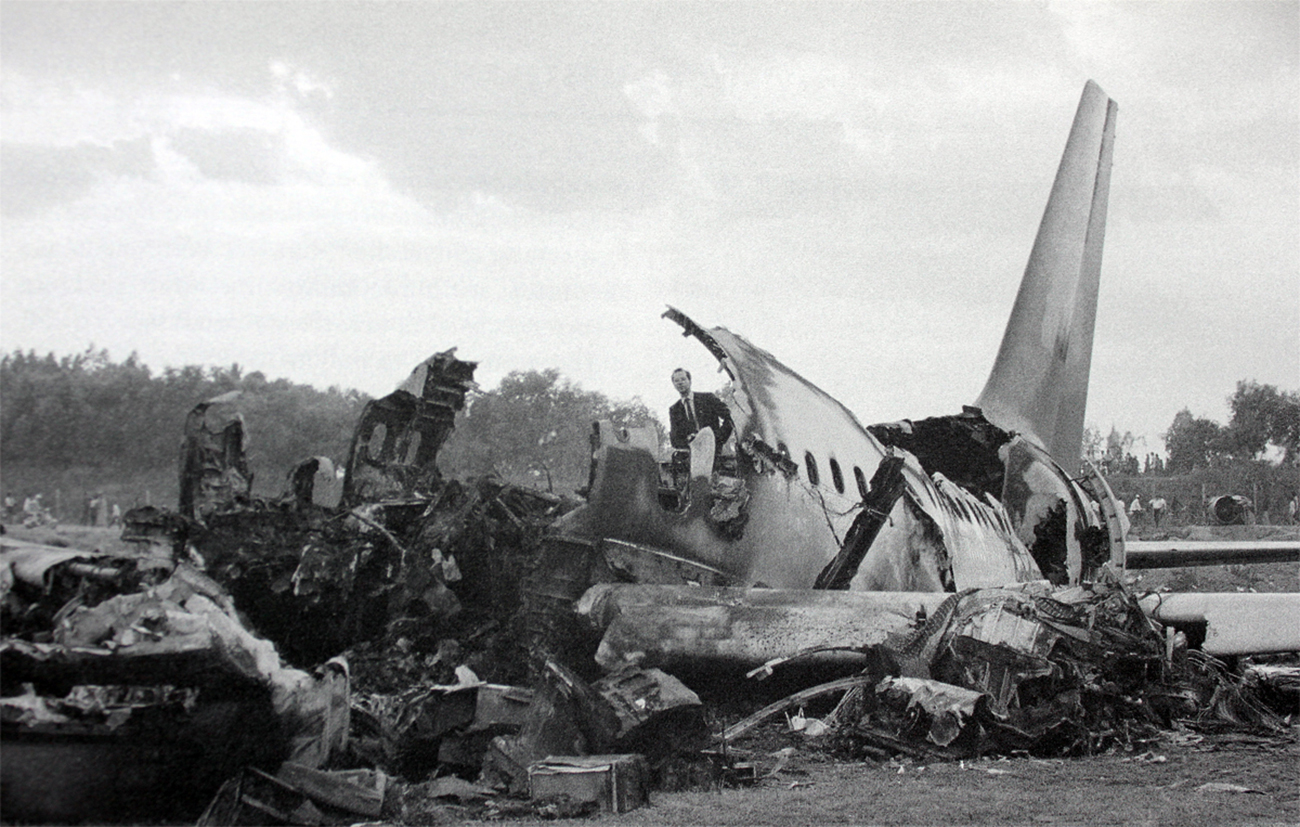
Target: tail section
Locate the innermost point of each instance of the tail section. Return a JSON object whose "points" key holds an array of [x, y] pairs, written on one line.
{"points": [[1039, 383]]}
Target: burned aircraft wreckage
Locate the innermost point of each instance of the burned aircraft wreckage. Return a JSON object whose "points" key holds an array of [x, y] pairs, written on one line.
{"points": [[950, 586]]}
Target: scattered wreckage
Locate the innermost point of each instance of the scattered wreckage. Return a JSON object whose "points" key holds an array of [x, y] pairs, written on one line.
{"points": [[474, 666], [387, 641], [126, 683]]}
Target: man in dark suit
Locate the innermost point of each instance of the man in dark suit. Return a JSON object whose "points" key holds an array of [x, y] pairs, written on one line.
{"points": [[695, 411]]}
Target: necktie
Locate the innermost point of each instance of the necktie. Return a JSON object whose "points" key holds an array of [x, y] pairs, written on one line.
{"points": [[690, 412]]}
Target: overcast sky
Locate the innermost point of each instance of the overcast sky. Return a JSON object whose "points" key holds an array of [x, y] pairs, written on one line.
{"points": [[330, 192]]}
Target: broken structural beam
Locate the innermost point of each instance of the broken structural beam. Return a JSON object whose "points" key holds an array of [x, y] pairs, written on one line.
{"points": [[1165, 554], [1235, 623], [886, 487], [668, 626]]}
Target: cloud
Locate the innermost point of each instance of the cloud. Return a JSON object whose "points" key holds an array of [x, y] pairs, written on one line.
{"points": [[804, 85], [61, 141], [300, 82], [653, 97], [247, 155], [331, 191], [39, 177]]}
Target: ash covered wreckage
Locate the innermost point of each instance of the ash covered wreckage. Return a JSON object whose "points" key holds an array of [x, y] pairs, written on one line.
{"points": [[388, 639]]}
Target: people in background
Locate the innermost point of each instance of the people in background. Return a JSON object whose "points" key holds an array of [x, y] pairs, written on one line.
{"points": [[1157, 510]]}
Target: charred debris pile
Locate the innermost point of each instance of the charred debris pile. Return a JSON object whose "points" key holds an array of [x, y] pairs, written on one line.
{"points": [[382, 642]]}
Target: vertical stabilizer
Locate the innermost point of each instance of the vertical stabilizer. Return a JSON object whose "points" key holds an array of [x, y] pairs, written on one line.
{"points": [[1039, 383]]}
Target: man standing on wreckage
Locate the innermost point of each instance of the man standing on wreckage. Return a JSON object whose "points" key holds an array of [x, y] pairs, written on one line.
{"points": [[691, 414]]}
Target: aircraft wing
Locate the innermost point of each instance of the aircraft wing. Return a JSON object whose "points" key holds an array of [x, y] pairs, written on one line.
{"points": [[1235, 623], [1165, 554]]}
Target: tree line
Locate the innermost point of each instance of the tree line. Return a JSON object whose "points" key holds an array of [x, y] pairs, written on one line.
{"points": [[121, 418], [1256, 454], [1263, 417], [89, 421], [1265, 423], [124, 421], [534, 429]]}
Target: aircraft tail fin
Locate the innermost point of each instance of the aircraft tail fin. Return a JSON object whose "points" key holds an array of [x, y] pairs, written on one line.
{"points": [[1039, 383]]}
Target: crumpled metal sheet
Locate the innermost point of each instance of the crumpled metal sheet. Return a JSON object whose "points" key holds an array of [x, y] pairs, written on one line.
{"points": [[978, 536], [668, 626], [642, 696], [1049, 670], [1026, 646], [161, 677], [31, 563], [947, 710]]}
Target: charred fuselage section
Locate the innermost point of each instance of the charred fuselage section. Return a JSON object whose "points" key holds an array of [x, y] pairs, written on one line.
{"points": [[964, 448]]}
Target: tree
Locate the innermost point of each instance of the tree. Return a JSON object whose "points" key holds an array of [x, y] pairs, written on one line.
{"points": [[1116, 458], [1263, 415], [534, 429], [1092, 444], [87, 411], [1192, 442]]}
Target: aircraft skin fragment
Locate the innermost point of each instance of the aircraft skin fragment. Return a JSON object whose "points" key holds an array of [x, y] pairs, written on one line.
{"points": [[394, 448], [1052, 513], [214, 470]]}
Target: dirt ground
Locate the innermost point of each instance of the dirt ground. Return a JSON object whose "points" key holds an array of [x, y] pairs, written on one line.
{"points": [[1165, 785], [1183, 779]]}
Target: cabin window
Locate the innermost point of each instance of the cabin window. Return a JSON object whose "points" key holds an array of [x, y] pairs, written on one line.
{"points": [[377, 443], [811, 465], [861, 480], [413, 448], [836, 477]]}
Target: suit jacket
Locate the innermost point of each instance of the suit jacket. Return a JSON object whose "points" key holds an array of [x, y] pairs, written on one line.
{"points": [[710, 412]]}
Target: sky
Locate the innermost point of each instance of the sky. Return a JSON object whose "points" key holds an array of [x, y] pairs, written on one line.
{"points": [[331, 192]]}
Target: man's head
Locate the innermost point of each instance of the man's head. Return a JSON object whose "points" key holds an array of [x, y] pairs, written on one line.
{"points": [[682, 381]]}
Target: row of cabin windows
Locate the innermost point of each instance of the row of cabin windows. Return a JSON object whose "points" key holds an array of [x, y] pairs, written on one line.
{"points": [[837, 476], [837, 479]]}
